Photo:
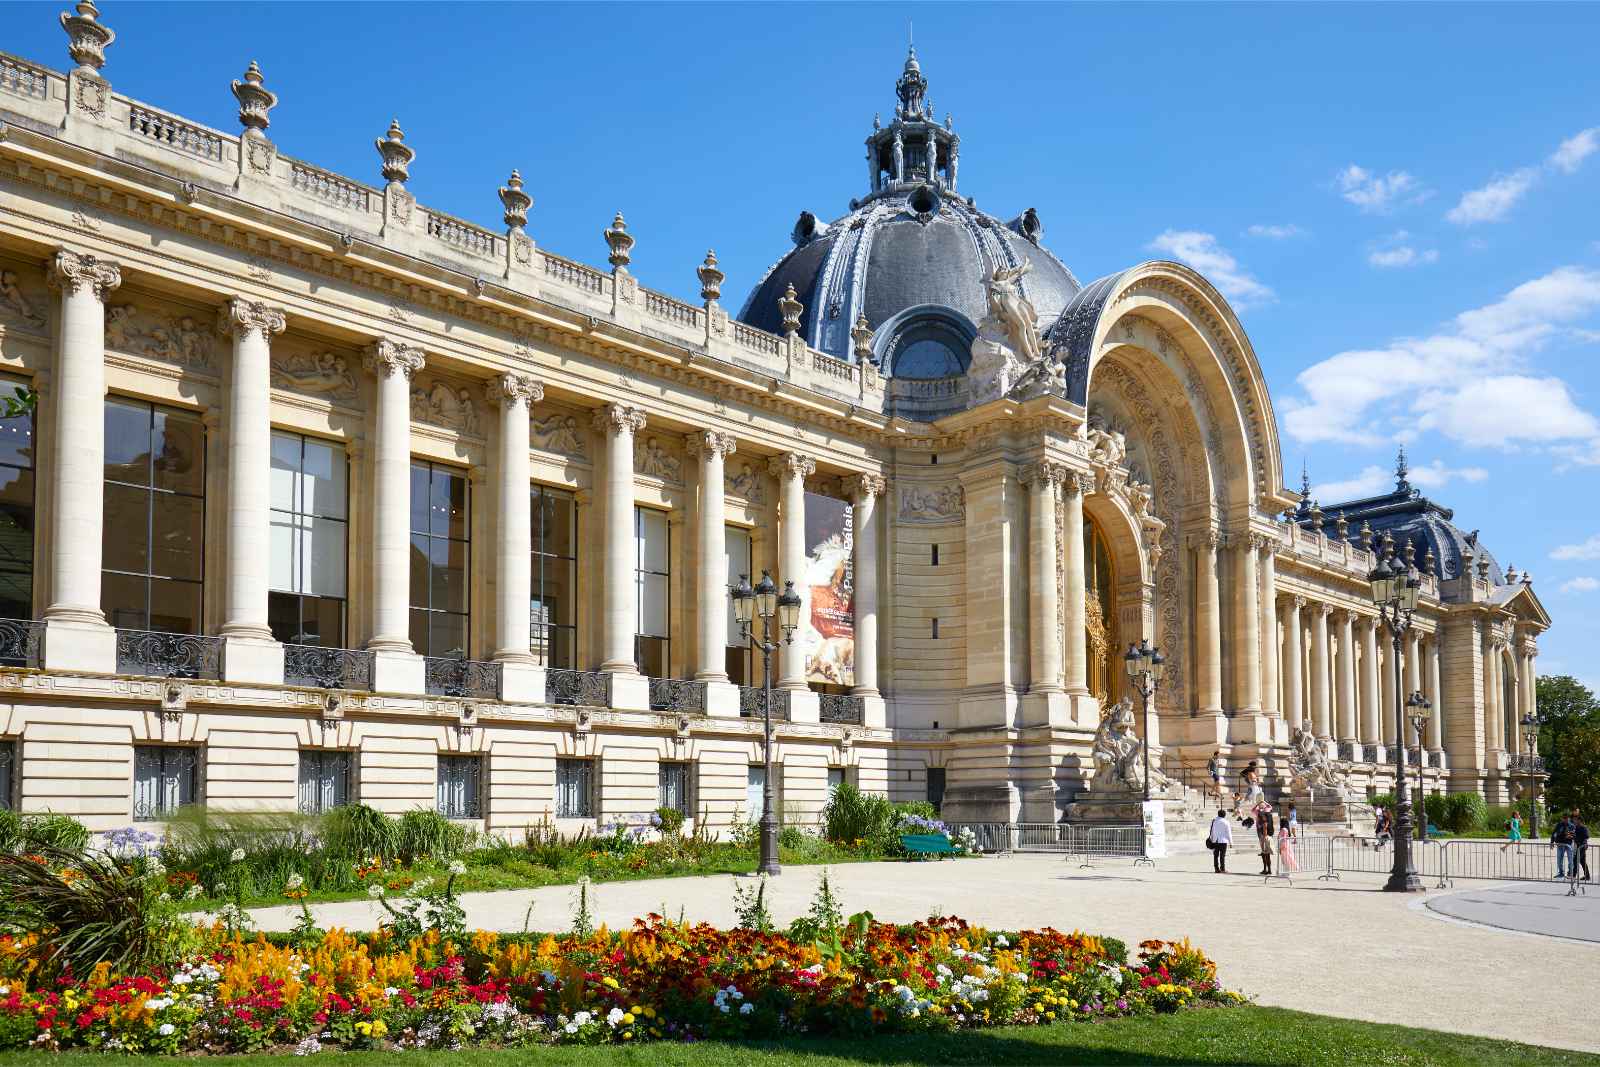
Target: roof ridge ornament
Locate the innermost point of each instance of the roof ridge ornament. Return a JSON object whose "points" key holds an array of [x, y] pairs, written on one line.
{"points": [[515, 201], [87, 38], [620, 241], [255, 100], [791, 309], [1401, 470], [711, 278], [397, 155]]}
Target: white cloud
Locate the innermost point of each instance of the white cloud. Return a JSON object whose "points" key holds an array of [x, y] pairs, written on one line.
{"points": [[1401, 255], [1275, 233], [1374, 480], [1589, 549], [1378, 193], [1495, 200], [1201, 251], [1580, 585], [1575, 149], [1468, 380]]}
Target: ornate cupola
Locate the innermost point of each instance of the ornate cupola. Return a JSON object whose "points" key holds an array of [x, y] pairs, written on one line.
{"points": [[913, 149]]}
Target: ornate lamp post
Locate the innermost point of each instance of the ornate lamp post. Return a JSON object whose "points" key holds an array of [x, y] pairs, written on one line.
{"points": [[1420, 708], [1145, 670], [1530, 745], [1394, 593], [765, 601]]}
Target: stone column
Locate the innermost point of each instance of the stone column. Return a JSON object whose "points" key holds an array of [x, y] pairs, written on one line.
{"points": [[1436, 720], [515, 394], [791, 470], [1493, 705], [1247, 623], [864, 490], [1044, 587], [1293, 710], [250, 654], [1320, 718], [1209, 622], [1413, 664], [76, 634], [618, 423], [711, 588], [1348, 729], [1371, 684], [1386, 688], [1076, 659], [393, 364], [1268, 597]]}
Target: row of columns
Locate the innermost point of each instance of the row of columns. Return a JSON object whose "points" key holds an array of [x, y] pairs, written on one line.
{"points": [[1056, 665]]}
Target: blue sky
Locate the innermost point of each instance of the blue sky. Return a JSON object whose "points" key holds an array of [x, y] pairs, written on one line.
{"points": [[1402, 201]]}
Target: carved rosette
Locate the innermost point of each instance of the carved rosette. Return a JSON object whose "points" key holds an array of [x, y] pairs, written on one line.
{"points": [[387, 358], [512, 389], [861, 487], [242, 317], [618, 418], [792, 465], [711, 442], [73, 272]]}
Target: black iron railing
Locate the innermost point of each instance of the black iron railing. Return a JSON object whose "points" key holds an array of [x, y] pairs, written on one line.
{"points": [[21, 642], [678, 694], [841, 708], [1350, 751], [448, 676], [327, 668], [590, 689], [751, 704], [164, 655]]}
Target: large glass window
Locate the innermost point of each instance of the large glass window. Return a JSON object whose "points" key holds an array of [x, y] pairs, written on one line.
{"points": [[461, 787], [16, 511], [154, 540], [165, 778], [672, 787], [309, 541], [655, 599], [739, 658], [324, 780], [574, 789], [554, 604], [10, 772], [929, 347], [440, 540]]}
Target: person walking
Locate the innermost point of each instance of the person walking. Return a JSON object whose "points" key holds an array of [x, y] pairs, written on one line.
{"points": [[1287, 862], [1264, 838], [1294, 822], [1562, 837], [1214, 769], [1513, 832], [1219, 838], [1580, 845], [1384, 829]]}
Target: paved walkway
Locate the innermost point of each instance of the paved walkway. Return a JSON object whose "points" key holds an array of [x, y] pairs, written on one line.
{"points": [[1338, 948], [1530, 907]]}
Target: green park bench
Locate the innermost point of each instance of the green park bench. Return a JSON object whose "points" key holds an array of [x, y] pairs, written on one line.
{"points": [[920, 845]]}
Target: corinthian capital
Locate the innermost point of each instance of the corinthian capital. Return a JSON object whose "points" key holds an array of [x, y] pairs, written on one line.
{"points": [[863, 486], [242, 317], [618, 418], [387, 358], [73, 272], [514, 389], [1044, 473], [792, 465], [712, 443]]}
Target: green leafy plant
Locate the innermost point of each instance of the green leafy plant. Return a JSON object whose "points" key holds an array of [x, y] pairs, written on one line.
{"points": [[821, 923], [423, 833], [851, 816], [671, 821], [356, 831], [750, 904], [1464, 812]]}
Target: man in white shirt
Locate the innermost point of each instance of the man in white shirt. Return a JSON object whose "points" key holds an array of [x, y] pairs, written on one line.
{"points": [[1219, 838]]}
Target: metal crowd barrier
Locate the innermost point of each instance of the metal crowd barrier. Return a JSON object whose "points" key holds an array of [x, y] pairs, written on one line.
{"points": [[1086, 842], [1469, 859]]}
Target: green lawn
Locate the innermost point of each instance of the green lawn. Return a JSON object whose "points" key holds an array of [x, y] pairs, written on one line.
{"points": [[1246, 1035]]}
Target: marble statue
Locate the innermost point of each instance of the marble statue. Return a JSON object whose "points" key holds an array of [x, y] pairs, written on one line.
{"points": [[1119, 754], [1309, 766]]}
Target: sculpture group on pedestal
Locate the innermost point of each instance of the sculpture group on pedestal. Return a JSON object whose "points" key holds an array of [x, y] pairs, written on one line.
{"points": [[1309, 766], [1119, 754], [1008, 358]]}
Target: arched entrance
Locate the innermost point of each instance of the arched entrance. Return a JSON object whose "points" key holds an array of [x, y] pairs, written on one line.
{"points": [[1103, 639]]}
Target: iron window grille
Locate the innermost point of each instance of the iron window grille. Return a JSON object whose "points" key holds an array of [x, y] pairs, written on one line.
{"points": [[460, 789], [325, 780], [165, 778]]}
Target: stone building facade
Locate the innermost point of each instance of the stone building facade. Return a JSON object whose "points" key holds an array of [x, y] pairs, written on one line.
{"points": [[321, 495]]}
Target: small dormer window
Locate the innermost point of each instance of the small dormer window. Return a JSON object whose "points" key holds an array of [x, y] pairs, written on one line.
{"points": [[929, 344]]}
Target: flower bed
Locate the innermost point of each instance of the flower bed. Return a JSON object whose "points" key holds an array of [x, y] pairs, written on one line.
{"points": [[658, 981]]}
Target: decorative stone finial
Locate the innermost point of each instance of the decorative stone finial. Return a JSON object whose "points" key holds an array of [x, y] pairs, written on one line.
{"points": [[1483, 568], [87, 38], [1366, 535], [620, 241], [255, 100], [791, 309], [1527, 577], [1429, 561], [861, 341], [1410, 553], [515, 201], [397, 155], [711, 277], [1401, 470], [1511, 574], [1342, 526], [1388, 545], [1316, 516]]}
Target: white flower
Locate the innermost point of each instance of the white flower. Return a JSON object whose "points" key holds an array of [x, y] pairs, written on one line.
{"points": [[236, 856], [571, 1028], [219, 889], [457, 867], [309, 1047], [614, 1016], [165, 1029], [294, 882], [421, 887], [746, 1009], [192, 893], [1001, 941], [374, 891], [157, 1003], [390, 991], [582, 1018], [181, 978]]}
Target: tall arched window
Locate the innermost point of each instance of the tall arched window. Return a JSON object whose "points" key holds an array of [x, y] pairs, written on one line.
{"points": [[1100, 613], [927, 342]]}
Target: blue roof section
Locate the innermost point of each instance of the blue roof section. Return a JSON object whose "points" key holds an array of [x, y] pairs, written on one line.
{"points": [[1070, 339]]}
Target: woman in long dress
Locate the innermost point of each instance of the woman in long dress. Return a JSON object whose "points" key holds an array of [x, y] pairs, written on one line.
{"points": [[1287, 864]]}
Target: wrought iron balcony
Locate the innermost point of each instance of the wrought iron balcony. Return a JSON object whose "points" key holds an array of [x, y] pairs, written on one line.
{"points": [[164, 655], [590, 689], [1436, 759], [752, 705], [1527, 763], [327, 668], [21, 643], [678, 694], [841, 708], [450, 676]]}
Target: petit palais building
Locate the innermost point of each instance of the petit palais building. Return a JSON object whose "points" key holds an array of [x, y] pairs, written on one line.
{"points": [[315, 495]]}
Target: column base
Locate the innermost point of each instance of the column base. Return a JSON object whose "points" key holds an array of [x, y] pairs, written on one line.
{"points": [[874, 713], [630, 691], [521, 683], [398, 672], [805, 705], [722, 699], [990, 707], [1048, 707], [1086, 710], [71, 645], [252, 659], [1206, 728], [1249, 728]]}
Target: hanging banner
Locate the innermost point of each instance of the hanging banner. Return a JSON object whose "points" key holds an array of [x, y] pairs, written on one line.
{"points": [[827, 614]]}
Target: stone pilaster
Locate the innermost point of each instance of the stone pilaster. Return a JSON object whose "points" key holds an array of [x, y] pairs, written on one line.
{"points": [[1247, 624], [791, 471], [1085, 708], [711, 576], [250, 654], [396, 666], [617, 424], [1435, 694], [1270, 652], [76, 634], [864, 491]]}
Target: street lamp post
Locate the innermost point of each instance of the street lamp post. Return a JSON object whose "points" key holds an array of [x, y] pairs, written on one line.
{"points": [[1394, 593], [765, 601], [1421, 707], [1530, 738], [1146, 668]]}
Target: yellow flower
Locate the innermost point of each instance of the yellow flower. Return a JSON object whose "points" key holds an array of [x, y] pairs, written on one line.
{"points": [[637, 1010], [609, 982], [1038, 1007], [649, 1012], [1049, 1015], [379, 1028], [627, 1017], [364, 1029], [627, 1035]]}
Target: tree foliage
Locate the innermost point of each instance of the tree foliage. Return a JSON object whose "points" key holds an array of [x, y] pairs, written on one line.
{"points": [[1569, 741]]}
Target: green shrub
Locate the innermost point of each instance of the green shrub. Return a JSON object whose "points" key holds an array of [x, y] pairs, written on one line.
{"points": [[1464, 812], [1436, 807], [851, 816], [922, 809], [791, 837], [423, 832], [10, 830], [671, 821], [1381, 800], [51, 831], [355, 832]]}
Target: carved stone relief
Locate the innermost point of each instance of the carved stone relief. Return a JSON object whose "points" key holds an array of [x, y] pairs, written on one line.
{"points": [[744, 481], [930, 504], [321, 373], [23, 300], [558, 432], [651, 459], [183, 339], [446, 404]]}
